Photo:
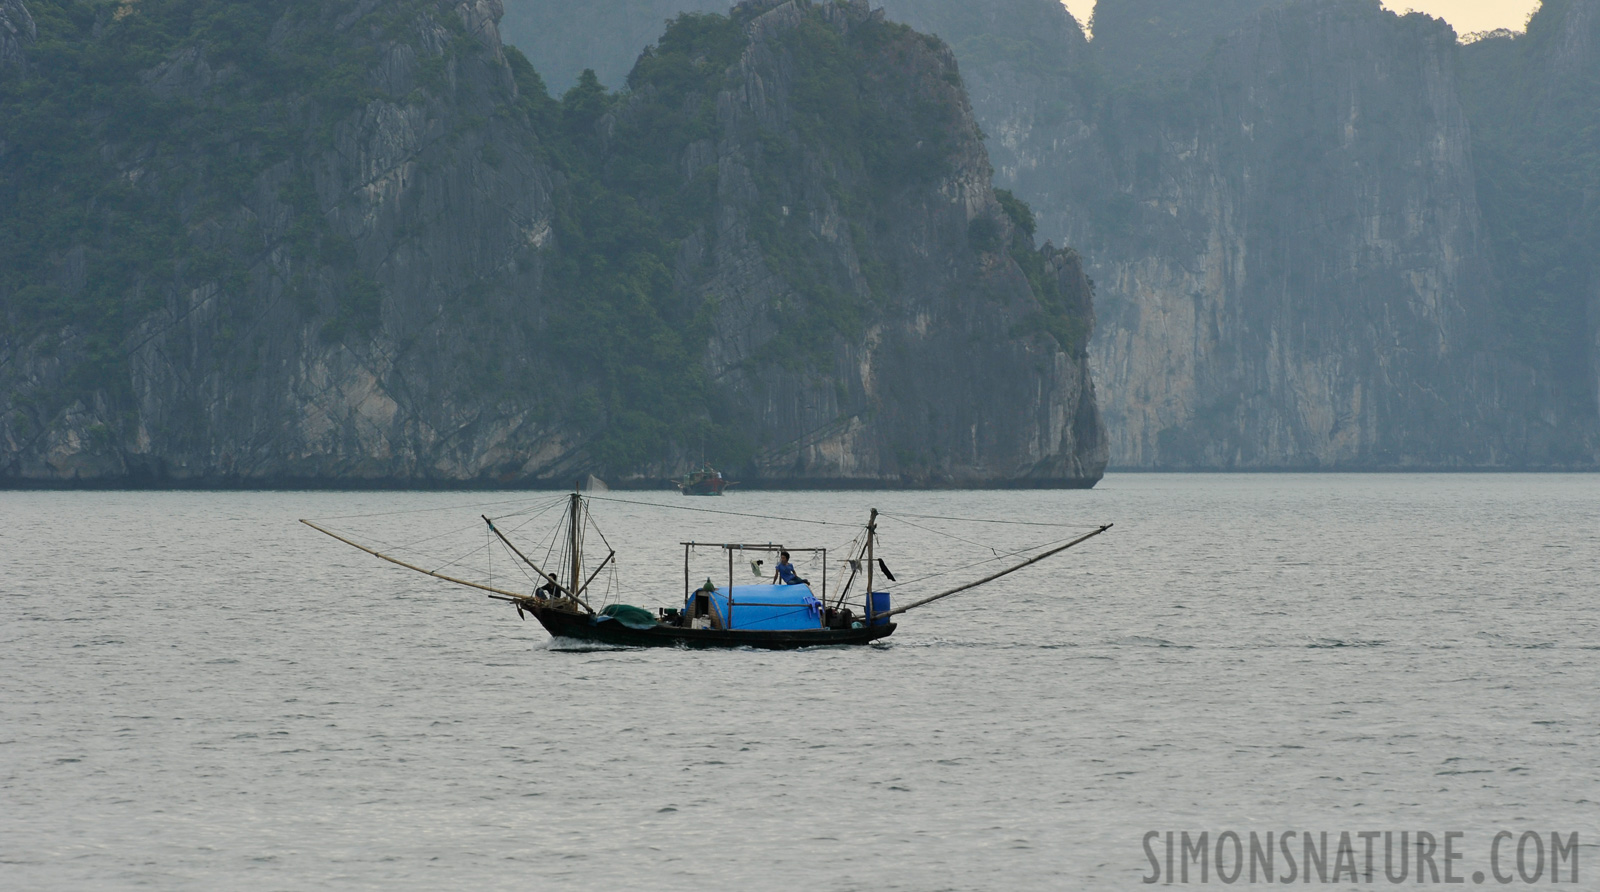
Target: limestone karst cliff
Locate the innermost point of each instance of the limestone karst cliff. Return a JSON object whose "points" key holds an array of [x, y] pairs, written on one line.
{"points": [[341, 242], [17, 30], [1290, 255], [964, 352], [1139, 40], [1532, 101], [1280, 205], [1294, 267], [1324, 236]]}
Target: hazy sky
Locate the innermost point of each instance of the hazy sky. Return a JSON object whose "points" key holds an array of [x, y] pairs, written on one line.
{"points": [[1466, 15]]}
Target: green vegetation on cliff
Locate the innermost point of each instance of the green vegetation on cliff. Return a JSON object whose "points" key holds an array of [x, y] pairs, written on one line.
{"points": [[142, 186], [367, 225], [619, 231], [58, 190], [1536, 127], [1269, 117], [119, 191], [872, 153], [631, 208]]}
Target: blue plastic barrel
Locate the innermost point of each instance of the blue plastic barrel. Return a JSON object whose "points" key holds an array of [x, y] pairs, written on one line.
{"points": [[880, 606]]}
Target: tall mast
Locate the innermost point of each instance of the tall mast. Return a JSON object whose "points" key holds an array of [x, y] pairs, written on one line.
{"points": [[572, 539], [872, 533]]}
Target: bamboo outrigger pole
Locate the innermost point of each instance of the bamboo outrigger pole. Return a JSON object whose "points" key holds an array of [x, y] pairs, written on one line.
{"points": [[543, 577], [992, 578], [488, 588]]}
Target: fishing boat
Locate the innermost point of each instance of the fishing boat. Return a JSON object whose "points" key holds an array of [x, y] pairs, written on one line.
{"points": [[707, 481], [772, 614]]}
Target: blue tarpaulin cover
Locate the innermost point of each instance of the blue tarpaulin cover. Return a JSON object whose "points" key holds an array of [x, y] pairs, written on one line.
{"points": [[774, 608]]}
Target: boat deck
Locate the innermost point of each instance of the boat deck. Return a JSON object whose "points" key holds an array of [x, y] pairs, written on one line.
{"points": [[582, 627]]}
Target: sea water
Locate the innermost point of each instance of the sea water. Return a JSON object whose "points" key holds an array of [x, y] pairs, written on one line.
{"points": [[197, 692]]}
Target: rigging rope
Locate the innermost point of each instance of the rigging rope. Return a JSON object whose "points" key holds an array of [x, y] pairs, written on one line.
{"points": [[942, 533], [826, 523], [558, 546], [415, 542], [989, 560], [410, 546], [475, 507], [485, 547], [488, 545], [1025, 523], [517, 563], [598, 531]]}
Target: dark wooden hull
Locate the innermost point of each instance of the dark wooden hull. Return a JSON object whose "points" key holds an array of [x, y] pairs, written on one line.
{"points": [[581, 627], [709, 487], [703, 483]]}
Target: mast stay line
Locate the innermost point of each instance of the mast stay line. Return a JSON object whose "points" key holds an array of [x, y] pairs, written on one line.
{"points": [[543, 577], [593, 575], [993, 577], [487, 588]]}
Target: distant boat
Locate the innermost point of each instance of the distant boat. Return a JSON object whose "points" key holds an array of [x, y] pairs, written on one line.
{"points": [[765, 615], [707, 481]]}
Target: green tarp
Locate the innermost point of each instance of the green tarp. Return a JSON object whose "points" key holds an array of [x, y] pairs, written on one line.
{"points": [[630, 616]]}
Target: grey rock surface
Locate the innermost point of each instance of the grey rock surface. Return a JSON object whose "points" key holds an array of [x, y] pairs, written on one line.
{"points": [[447, 202], [1532, 101], [17, 31], [235, 380], [1290, 254], [939, 388], [1143, 40], [1285, 220]]}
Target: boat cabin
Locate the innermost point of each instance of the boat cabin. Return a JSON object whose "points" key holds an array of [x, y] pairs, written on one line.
{"points": [[764, 606]]}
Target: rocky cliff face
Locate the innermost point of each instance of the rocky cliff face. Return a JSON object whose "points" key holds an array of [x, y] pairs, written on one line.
{"points": [[1308, 256], [1014, 54], [1138, 40], [322, 324], [1578, 60], [952, 373], [1290, 256], [1024, 66], [1291, 261], [17, 30], [405, 273], [1531, 101]]}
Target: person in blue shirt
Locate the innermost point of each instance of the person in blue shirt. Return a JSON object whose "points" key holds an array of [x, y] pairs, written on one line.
{"points": [[786, 574]]}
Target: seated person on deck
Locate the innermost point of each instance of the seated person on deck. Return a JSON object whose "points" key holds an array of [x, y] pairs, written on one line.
{"points": [[786, 574], [550, 589]]}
